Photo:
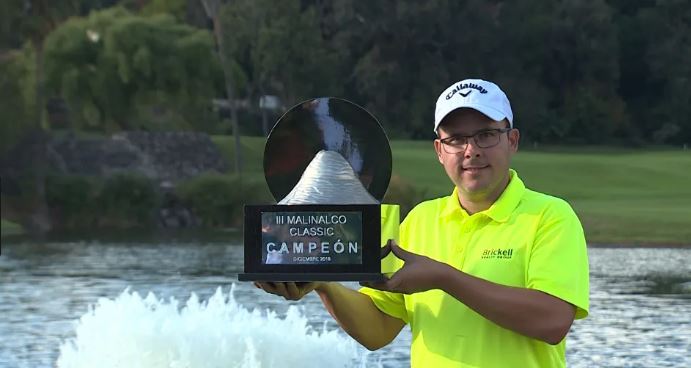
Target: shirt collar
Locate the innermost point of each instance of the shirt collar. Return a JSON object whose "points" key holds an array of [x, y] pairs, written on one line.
{"points": [[452, 206], [500, 210]]}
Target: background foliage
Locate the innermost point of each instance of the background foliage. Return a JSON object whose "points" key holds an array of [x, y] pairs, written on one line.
{"points": [[119, 201], [218, 200], [578, 72], [118, 71], [591, 71]]}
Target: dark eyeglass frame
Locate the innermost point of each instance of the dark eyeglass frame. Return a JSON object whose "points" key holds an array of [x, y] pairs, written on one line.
{"points": [[463, 146]]}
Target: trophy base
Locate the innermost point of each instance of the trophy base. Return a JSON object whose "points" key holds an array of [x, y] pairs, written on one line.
{"points": [[305, 277]]}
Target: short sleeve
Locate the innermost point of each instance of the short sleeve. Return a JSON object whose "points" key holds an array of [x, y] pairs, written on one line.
{"points": [[558, 262], [392, 304]]}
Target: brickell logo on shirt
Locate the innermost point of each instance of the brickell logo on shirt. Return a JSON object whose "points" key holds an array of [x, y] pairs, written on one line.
{"points": [[497, 253]]}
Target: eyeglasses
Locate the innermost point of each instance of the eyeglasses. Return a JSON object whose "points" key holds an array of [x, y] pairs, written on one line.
{"points": [[483, 139]]}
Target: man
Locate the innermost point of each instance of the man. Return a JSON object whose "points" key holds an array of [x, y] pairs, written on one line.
{"points": [[493, 274]]}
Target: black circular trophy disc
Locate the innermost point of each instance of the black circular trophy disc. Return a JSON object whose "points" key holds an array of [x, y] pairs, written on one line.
{"points": [[332, 124]]}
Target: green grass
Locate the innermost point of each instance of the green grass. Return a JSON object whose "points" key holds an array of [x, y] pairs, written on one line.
{"points": [[632, 197], [416, 162], [10, 228], [623, 196]]}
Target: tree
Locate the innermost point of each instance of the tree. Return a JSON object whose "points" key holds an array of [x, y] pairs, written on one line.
{"points": [[114, 68], [582, 71], [277, 48], [405, 53], [668, 55], [16, 98], [34, 20], [212, 9]]}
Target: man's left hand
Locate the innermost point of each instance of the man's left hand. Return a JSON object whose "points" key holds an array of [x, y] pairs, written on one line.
{"points": [[418, 274]]}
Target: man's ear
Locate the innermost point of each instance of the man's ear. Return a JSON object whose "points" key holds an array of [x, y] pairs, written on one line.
{"points": [[438, 148], [514, 137]]}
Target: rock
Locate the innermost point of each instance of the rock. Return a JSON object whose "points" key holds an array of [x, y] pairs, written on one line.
{"points": [[161, 156]]}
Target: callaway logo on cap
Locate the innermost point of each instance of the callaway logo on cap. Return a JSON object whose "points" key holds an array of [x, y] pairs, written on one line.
{"points": [[483, 96]]}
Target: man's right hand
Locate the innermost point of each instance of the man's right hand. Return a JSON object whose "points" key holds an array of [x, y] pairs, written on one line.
{"points": [[288, 290]]}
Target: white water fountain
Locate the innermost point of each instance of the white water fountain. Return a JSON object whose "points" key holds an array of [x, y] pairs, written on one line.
{"points": [[135, 332]]}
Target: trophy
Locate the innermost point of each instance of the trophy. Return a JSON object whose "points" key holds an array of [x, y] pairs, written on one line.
{"points": [[327, 162]]}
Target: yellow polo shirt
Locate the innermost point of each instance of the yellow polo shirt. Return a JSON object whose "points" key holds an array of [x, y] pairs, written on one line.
{"points": [[525, 239]]}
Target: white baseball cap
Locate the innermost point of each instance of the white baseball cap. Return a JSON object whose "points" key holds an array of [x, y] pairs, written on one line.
{"points": [[483, 96]]}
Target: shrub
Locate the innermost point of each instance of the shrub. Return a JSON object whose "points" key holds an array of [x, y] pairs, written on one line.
{"points": [[218, 199], [70, 199], [10, 228], [127, 200]]}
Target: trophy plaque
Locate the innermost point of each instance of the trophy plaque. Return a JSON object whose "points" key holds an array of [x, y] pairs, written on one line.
{"points": [[327, 163]]}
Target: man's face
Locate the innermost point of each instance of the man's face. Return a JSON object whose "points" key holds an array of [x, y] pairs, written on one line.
{"points": [[478, 173]]}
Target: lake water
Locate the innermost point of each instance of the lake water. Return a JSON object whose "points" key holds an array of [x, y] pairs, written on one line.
{"points": [[640, 298]]}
